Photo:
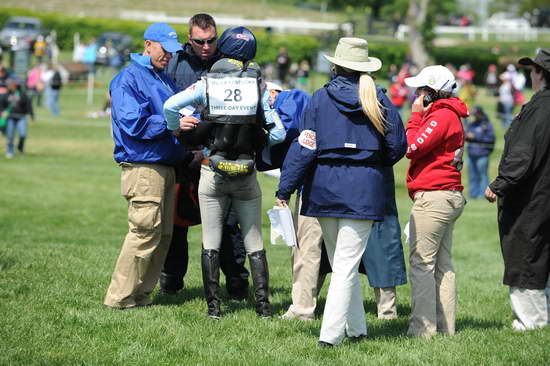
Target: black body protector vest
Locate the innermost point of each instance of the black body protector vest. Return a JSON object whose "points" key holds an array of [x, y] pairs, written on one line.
{"points": [[235, 116]]}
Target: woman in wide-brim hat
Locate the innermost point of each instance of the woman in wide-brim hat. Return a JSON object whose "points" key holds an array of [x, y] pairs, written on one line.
{"points": [[350, 131]]}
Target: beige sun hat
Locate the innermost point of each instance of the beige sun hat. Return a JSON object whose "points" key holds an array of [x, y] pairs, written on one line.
{"points": [[353, 53]]}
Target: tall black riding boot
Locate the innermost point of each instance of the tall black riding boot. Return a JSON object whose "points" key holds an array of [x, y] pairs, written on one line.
{"points": [[175, 264], [232, 260], [260, 277], [210, 260]]}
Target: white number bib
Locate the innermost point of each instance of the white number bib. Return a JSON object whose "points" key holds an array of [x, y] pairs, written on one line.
{"points": [[233, 96]]}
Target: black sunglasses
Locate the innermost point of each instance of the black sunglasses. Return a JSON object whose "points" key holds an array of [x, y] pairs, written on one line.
{"points": [[201, 42]]}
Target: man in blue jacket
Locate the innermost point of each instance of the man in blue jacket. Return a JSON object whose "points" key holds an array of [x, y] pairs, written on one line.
{"points": [[147, 153]]}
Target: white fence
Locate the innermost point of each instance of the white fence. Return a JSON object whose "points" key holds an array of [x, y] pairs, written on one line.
{"points": [[503, 33]]}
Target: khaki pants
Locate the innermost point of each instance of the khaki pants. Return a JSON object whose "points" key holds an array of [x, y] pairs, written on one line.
{"points": [[432, 277], [150, 192], [306, 260], [385, 302]]}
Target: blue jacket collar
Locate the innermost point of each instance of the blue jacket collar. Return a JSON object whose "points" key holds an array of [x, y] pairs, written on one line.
{"points": [[141, 60]]}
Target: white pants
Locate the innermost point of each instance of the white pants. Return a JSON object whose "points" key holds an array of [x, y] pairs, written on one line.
{"points": [[531, 307], [345, 241]]}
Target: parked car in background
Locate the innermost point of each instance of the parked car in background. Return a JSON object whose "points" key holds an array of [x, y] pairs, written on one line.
{"points": [[20, 29], [113, 48]]}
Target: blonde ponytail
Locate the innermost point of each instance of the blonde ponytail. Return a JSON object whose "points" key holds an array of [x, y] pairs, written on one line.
{"points": [[369, 101]]}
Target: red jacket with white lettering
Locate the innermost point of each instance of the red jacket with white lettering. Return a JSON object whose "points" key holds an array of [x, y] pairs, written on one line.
{"points": [[435, 145]]}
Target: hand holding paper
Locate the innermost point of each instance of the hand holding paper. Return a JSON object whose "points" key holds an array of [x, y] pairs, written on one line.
{"points": [[282, 226]]}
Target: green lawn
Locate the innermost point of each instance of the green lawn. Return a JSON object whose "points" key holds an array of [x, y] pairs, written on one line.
{"points": [[62, 221]]}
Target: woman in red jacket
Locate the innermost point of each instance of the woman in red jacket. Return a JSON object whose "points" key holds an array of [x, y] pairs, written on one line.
{"points": [[435, 139]]}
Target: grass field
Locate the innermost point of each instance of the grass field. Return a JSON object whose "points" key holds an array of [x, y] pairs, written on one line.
{"points": [[62, 221]]}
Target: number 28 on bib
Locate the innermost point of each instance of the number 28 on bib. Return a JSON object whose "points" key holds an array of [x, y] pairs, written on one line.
{"points": [[233, 96]]}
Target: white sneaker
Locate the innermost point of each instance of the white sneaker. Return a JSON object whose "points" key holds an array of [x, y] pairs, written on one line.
{"points": [[291, 316], [9, 155], [517, 325]]}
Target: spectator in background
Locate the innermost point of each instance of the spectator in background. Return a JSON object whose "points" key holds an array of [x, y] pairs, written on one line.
{"points": [[115, 57], [3, 98], [3, 77], [53, 82], [302, 76], [399, 92], [392, 73], [52, 50], [35, 85], [39, 49], [283, 66], [18, 106], [90, 55], [481, 142], [105, 112], [436, 140], [467, 92], [147, 153], [523, 190], [512, 82], [491, 80]]}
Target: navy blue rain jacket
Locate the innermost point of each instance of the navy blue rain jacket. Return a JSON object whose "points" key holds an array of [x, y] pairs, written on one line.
{"points": [[483, 141], [342, 175], [138, 94], [186, 68]]}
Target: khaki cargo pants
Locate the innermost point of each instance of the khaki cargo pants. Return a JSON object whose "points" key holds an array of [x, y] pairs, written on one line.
{"points": [[432, 276], [151, 195]]}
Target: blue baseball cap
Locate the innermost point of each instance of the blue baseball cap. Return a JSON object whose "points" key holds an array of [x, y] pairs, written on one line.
{"points": [[164, 34], [238, 43]]}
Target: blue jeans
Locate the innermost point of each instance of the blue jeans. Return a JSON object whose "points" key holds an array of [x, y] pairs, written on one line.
{"points": [[507, 114], [477, 175], [52, 100], [21, 125]]}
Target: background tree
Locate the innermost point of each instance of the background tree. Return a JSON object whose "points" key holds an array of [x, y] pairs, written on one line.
{"points": [[422, 18], [416, 16]]}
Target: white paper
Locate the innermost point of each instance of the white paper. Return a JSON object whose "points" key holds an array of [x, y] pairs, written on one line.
{"points": [[275, 173], [282, 226]]}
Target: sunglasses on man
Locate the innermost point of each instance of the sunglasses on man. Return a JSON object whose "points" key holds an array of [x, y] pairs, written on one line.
{"points": [[201, 42]]}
